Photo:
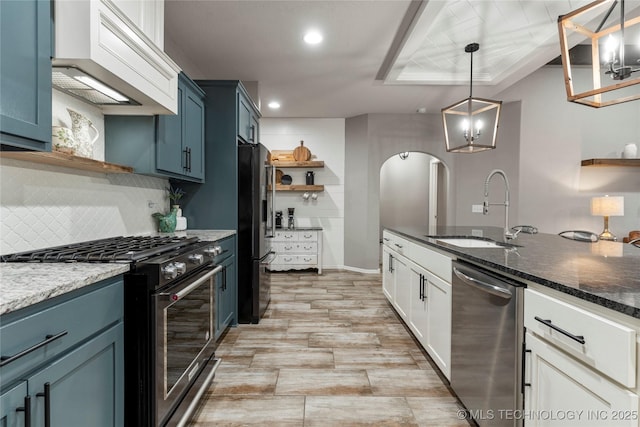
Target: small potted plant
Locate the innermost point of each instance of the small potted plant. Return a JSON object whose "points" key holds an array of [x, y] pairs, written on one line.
{"points": [[167, 222], [175, 194]]}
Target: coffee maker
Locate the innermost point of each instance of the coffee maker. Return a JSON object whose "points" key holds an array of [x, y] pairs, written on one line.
{"points": [[291, 223], [278, 219]]}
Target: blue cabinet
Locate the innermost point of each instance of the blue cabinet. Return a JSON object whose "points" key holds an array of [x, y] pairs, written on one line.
{"points": [[226, 287], [167, 146], [76, 369], [15, 405], [248, 118], [25, 75], [214, 204]]}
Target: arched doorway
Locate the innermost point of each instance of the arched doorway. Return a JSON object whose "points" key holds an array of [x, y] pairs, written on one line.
{"points": [[413, 192]]}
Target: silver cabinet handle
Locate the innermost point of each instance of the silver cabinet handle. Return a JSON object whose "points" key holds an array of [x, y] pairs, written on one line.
{"points": [[483, 286]]}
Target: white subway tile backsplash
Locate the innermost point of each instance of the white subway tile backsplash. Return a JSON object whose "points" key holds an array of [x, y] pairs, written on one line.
{"points": [[43, 206]]}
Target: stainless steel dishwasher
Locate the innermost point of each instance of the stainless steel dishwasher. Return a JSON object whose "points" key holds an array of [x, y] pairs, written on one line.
{"points": [[486, 345]]}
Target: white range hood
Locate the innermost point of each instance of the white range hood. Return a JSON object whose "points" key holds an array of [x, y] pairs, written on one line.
{"points": [[96, 37]]}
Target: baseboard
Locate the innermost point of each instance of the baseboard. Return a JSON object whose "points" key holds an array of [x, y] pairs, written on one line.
{"points": [[361, 270]]}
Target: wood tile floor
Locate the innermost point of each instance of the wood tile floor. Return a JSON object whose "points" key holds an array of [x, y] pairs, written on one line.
{"points": [[330, 352]]}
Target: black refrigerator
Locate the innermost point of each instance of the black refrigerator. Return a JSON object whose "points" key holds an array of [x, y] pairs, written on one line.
{"points": [[255, 207]]}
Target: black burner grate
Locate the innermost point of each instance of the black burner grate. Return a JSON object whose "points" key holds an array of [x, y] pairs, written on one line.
{"points": [[114, 249]]}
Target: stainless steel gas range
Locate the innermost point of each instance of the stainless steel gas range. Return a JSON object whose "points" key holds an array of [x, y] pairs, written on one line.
{"points": [[169, 319]]}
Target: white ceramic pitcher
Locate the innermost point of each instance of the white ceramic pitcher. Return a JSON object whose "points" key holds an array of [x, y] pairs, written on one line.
{"points": [[80, 126]]}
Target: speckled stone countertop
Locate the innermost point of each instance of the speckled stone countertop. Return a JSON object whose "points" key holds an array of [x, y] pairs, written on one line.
{"points": [[25, 284], [207, 235], [605, 273]]}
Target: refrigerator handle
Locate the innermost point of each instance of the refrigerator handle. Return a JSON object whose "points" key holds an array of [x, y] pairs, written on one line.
{"points": [[273, 201]]}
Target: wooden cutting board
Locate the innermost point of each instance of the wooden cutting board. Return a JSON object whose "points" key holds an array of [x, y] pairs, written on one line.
{"points": [[279, 174], [301, 153]]}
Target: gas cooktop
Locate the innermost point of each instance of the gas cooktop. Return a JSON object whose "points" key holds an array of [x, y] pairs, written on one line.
{"points": [[113, 249]]}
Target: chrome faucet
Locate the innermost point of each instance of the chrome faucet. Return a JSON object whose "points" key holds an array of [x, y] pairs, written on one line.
{"points": [[485, 206]]}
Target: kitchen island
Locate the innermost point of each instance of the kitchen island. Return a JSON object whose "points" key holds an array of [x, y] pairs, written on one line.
{"points": [[573, 331], [604, 273]]}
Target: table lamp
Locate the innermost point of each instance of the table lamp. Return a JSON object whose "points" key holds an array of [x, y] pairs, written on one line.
{"points": [[607, 206]]}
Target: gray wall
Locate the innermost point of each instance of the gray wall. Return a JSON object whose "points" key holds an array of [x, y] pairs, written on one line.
{"points": [[471, 170], [404, 191], [370, 140], [555, 135]]}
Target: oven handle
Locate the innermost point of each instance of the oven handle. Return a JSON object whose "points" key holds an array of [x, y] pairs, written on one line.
{"points": [[176, 296]]}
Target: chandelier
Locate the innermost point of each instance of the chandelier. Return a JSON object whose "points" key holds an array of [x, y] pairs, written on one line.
{"points": [[614, 64], [471, 125]]}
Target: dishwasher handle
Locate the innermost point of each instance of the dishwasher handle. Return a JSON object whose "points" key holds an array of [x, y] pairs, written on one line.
{"points": [[482, 285]]}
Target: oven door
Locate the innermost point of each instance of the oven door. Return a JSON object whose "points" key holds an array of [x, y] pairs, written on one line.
{"points": [[185, 316]]}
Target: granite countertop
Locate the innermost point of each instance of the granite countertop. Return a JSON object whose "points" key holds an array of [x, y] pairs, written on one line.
{"points": [[605, 273], [209, 235], [25, 284]]}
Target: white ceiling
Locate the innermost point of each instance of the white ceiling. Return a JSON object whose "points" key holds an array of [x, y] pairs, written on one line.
{"points": [[378, 56]]}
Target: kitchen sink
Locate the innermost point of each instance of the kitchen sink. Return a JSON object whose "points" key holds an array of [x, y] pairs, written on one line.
{"points": [[465, 242]]}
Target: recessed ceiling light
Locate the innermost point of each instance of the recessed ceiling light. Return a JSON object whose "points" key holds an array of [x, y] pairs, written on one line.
{"points": [[421, 110], [313, 37], [274, 105]]}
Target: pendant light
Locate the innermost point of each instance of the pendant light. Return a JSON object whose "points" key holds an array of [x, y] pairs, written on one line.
{"points": [[613, 72], [471, 125]]}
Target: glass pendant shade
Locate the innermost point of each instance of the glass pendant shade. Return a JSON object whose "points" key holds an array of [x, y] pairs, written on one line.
{"points": [[604, 69]]}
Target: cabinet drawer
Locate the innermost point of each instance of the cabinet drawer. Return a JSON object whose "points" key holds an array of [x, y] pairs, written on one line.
{"points": [[609, 347], [308, 247], [307, 236], [286, 236], [80, 317], [286, 247], [394, 242], [435, 262], [295, 259]]}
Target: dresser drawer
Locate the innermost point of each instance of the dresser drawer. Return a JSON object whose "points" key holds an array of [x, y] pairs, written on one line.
{"points": [[286, 259], [286, 247], [307, 236], [608, 347], [308, 247], [71, 321], [286, 236]]}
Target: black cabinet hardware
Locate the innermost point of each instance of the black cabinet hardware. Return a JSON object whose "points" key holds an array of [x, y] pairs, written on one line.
{"points": [[27, 410], [47, 404], [547, 322], [5, 360]]}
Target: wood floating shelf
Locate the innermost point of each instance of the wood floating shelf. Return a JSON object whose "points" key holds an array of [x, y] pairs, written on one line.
{"points": [[56, 158], [611, 162], [294, 187], [294, 164]]}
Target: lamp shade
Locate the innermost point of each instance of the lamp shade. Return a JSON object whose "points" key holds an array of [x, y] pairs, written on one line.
{"points": [[607, 206]]}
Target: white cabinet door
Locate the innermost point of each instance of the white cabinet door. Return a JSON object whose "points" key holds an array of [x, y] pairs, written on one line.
{"points": [[563, 392], [418, 312], [402, 300], [388, 278], [147, 15], [438, 297]]}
